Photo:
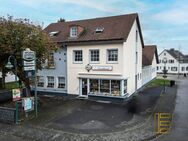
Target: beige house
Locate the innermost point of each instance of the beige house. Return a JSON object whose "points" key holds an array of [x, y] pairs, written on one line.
{"points": [[104, 57]]}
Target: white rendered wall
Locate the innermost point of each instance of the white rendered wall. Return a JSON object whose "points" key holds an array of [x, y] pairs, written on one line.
{"points": [[76, 70], [169, 65], [149, 72], [129, 65], [154, 68]]}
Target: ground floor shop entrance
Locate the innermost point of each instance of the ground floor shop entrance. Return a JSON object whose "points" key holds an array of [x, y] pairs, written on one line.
{"points": [[106, 87], [84, 87]]}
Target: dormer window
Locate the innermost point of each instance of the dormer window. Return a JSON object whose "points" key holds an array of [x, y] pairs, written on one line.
{"points": [[99, 29], [73, 31], [53, 33]]}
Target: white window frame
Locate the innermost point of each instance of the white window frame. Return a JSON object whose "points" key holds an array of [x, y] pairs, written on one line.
{"points": [[174, 69], [52, 83], [110, 61], [40, 83], [171, 61], [51, 62], [73, 31], [90, 55], [61, 83], [74, 56], [182, 68]]}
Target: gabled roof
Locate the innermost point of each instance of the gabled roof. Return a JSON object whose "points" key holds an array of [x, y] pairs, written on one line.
{"points": [[148, 53], [177, 54], [116, 28]]}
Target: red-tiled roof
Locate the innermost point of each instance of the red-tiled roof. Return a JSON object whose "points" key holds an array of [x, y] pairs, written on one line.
{"points": [[115, 28], [148, 53]]}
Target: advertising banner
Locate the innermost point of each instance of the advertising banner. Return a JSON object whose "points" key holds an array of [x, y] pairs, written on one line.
{"points": [[16, 94], [28, 103]]}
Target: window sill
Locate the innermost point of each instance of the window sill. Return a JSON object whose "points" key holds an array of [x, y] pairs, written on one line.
{"points": [[107, 95], [112, 62], [50, 67], [72, 37], [62, 88], [77, 62], [91, 62], [50, 87]]}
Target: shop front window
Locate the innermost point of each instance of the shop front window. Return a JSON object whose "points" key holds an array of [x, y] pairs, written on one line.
{"points": [[115, 88], [125, 86], [105, 87], [94, 86]]}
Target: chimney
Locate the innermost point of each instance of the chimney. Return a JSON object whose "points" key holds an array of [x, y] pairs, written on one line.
{"points": [[172, 49]]}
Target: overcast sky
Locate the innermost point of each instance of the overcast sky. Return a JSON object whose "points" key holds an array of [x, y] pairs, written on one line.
{"points": [[163, 22]]}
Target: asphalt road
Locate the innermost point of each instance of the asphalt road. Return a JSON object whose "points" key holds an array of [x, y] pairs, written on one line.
{"points": [[180, 121]]}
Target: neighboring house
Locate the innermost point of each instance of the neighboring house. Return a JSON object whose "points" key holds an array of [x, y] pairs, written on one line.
{"points": [[149, 63], [99, 57], [9, 77], [52, 78], [177, 62]]}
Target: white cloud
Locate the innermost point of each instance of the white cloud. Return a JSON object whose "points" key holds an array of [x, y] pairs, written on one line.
{"points": [[176, 16], [103, 6]]}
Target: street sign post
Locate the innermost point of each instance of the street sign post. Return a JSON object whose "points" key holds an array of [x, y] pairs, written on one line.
{"points": [[29, 63]]}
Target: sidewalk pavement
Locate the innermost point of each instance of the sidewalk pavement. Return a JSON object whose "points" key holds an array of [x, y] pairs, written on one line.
{"points": [[180, 119]]}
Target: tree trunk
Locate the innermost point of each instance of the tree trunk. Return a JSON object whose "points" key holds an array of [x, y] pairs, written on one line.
{"points": [[26, 83], [28, 88]]}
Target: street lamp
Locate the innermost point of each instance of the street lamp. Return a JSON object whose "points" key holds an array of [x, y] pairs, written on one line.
{"points": [[164, 72], [10, 66]]}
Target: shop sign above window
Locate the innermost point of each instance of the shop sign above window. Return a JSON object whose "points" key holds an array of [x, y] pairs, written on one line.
{"points": [[102, 68]]}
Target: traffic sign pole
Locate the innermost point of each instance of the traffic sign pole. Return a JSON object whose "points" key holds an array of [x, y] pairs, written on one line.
{"points": [[29, 63], [36, 98]]}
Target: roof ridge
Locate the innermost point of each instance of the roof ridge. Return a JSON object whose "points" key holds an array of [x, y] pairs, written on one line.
{"points": [[96, 18], [116, 27]]}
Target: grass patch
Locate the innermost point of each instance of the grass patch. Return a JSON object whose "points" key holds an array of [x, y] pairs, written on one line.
{"points": [[11, 85], [159, 82]]}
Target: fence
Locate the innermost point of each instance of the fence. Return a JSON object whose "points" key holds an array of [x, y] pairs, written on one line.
{"points": [[9, 115]]}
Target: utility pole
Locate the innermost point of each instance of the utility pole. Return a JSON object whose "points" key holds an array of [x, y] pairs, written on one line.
{"points": [[179, 62]]}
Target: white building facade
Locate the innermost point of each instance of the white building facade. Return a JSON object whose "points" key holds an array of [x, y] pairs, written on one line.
{"points": [[108, 76], [149, 62], [10, 77], [176, 62], [99, 57]]}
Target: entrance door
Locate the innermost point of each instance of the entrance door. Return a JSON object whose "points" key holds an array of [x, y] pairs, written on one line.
{"points": [[84, 86]]}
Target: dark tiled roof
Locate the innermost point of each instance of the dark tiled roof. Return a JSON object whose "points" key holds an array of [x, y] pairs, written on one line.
{"points": [[115, 28], [178, 55], [148, 53]]}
